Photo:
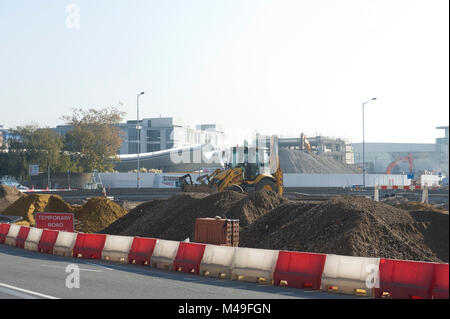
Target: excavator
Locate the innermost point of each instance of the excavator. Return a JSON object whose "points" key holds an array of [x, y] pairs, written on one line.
{"points": [[248, 169], [408, 159]]}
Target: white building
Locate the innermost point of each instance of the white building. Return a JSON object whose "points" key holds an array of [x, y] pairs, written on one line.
{"points": [[164, 133]]}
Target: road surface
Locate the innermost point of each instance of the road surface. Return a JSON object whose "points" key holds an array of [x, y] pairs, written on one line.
{"points": [[31, 275]]}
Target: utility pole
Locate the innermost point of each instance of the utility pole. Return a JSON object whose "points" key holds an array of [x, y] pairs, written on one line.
{"points": [[138, 132], [364, 150]]}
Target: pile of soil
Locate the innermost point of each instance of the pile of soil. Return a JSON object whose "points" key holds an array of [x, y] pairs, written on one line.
{"points": [[8, 195], [27, 205], [174, 218], [421, 207], [96, 214], [352, 226], [296, 161]]}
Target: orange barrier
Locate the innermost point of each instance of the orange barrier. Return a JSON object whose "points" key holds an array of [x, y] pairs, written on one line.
{"points": [[299, 270], [47, 241], [141, 250], [22, 236], [401, 279], [189, 257], [440, 284], [4, 229], [89, 246]]}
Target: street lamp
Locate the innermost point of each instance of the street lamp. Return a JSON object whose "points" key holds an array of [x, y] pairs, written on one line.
{"points": [[138, 131], [364, 151]]}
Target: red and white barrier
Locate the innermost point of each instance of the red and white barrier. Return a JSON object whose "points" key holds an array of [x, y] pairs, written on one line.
{"points": [[377, 188], [382, 278]]}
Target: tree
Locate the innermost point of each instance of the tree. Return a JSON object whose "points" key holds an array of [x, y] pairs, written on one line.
{"points": [[94, 139], [33, 145]]}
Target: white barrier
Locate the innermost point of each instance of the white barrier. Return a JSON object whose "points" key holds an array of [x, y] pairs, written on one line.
{"points": [[217, 261], [64, 243], [348, 275], [254, 265], [32, 241], [12, 235], [164, 254], [117, 248]]}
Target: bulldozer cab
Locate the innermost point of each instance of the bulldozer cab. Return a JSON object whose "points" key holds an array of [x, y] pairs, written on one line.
{"points": [[252, 160]]}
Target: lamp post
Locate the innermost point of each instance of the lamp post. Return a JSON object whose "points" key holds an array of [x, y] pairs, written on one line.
{"points": [[138, 131], [364, 151]]}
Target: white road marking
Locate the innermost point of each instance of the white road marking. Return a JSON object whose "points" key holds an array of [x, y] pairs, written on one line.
{"points": [[97, 265], [83, 269], [14, 293], [27, 291]]}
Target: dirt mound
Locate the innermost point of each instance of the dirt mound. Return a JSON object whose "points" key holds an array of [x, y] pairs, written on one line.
{"points": [[295, 161], [421, 207], [26, 206], [174, 218], [96, 214], [8, 195], [353, 226]]}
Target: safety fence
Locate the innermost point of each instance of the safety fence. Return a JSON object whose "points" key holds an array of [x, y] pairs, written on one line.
{"points": [[371, 277]]}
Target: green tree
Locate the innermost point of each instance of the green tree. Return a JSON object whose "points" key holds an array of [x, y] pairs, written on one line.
{"points": [[33, 145], [95, 139]]}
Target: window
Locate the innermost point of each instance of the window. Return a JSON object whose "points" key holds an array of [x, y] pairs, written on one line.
{"points": [[169, 134], [153, 135], [132, 134], [132, 148], [153, 147]]}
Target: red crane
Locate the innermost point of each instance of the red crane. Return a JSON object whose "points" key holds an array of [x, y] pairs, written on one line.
{"points": [[408, 159]]}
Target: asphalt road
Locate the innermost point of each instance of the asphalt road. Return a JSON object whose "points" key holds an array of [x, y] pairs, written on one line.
{"points": [[29, 275]]}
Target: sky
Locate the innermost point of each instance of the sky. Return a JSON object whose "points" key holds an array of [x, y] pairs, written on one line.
{"points": [[277, 67]]}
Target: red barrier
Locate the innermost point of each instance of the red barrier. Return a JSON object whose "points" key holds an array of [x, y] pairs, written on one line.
{"points": [[189, 257], [89, 246], [299, 270], [440, 284], [22, 236], [4, 229], [48, 239], [141, 250], [400, 279]]}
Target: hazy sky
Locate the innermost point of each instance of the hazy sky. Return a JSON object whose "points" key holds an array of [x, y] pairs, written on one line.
{"points": [[276, 66]]}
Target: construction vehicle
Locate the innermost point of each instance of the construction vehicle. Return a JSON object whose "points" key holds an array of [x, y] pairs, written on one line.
{"points": [[408, 159], [248, 169]]}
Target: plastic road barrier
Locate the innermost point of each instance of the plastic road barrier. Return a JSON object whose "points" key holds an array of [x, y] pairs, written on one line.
{"points": [[34, 236], [164, 254], [299, 270], [141, 250], [47, 241], [4, 229], [22, 236], [188, 258], [89, 246], [117, 248], [254, 265], [64, 243], [348, 275], [217, 261], [12, 235], [401, 279], [440, 284]]}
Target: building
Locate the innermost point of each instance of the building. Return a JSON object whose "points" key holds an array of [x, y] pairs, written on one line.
{"points": [[336, 148], [158, 134], [442, 150], [426, 156], [163, 133]]}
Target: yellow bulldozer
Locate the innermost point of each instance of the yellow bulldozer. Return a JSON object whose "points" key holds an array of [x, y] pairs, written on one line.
{"points": [[248, 169]]}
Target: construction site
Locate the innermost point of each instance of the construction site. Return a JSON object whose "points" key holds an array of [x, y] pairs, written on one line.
{"points": [[246, 205]]}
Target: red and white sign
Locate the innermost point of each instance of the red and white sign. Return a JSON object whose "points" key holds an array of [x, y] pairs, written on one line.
{"points": [[55, 221]]}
